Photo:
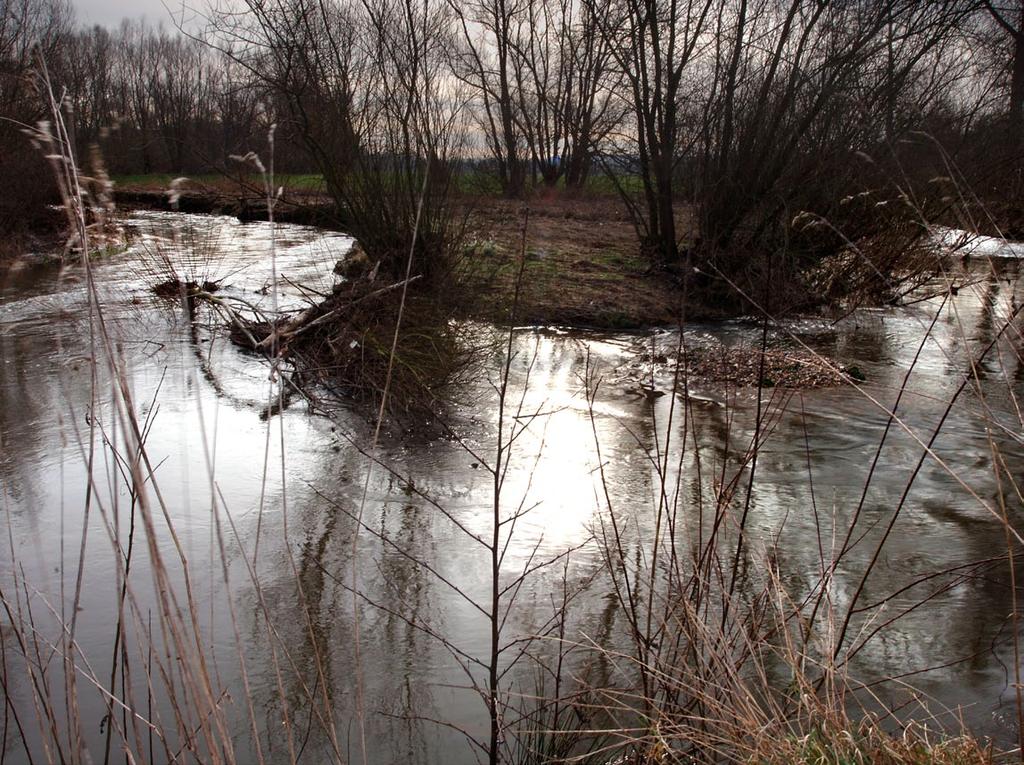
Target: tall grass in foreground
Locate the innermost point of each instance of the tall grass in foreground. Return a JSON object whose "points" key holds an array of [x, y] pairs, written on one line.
{"points": [[735, 664], [165, 700], [721, 659]]}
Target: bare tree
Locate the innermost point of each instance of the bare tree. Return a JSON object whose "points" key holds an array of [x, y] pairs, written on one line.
{"points": [[23, 25], [802, 87], [486, 62], [155, 101], [1010, 18], [655, 47], [564, 87], [86, 64], [181, 92], [591, 106], [363, 86]]}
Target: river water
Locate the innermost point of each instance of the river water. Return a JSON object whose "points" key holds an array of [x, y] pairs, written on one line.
{"points": [[257, 504]]}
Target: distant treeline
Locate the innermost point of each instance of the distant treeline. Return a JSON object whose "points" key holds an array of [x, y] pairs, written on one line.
{"points": [[749, 111]]}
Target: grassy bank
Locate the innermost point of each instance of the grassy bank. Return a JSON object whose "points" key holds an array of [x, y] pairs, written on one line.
{"points": [[584, 268]]}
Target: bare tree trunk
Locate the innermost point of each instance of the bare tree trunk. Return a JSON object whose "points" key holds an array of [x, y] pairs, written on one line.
{"points": [[1017, 83], [1015, 113], [515, 178]]}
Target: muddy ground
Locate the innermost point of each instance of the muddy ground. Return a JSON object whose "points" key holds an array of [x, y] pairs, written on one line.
{"points": [[582, 265]]}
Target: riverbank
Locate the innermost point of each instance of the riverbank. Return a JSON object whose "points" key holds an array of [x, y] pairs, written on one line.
{"points": [[39, 243], [583, 264], [580, 268], [245, 201]]}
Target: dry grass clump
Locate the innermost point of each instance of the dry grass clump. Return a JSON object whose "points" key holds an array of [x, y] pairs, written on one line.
{"points": [[725, 677], [748, 367], [868, 744], [878, 246], [883, 269], [173, 288]]}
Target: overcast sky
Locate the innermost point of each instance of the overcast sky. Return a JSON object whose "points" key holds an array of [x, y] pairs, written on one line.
{"points": [[110, 12]]}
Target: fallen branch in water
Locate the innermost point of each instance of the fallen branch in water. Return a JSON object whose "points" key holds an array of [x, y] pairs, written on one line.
{"points": [[341, 342], [314, 315]]}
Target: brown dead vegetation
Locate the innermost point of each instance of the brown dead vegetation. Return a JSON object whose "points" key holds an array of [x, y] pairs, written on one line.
{"points": [[583, 266], [344, 344], [741, 366]]}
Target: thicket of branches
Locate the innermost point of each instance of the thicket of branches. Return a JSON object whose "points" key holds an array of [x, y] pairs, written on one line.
{"points": [[23, 25], [748, 112]]}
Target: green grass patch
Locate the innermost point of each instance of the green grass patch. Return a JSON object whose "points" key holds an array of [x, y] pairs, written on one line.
{"points": [[600, 184], [297, 181]]}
